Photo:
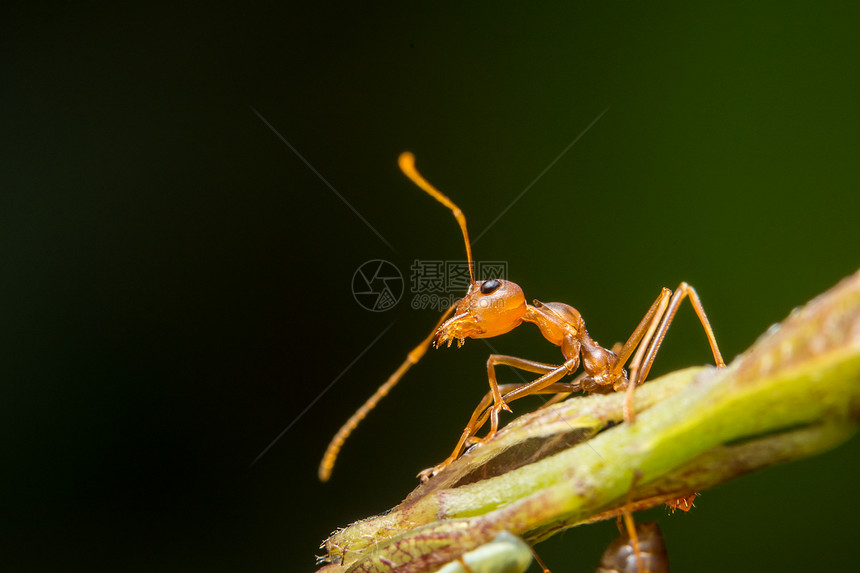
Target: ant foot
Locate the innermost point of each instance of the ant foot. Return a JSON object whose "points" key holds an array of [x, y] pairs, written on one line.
{"points": [[476, 441], [430, 472]]}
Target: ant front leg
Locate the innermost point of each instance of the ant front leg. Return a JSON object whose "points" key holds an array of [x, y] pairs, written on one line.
{"points": [[482, 413], [551, 375], [494, 401], [500, 403], [476, 421]]}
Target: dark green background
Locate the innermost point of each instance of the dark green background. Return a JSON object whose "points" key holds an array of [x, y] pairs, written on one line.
{"points": [[176, 282]]}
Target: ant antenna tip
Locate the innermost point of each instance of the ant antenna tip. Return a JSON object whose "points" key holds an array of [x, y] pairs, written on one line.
{"points": [[406, 160]]}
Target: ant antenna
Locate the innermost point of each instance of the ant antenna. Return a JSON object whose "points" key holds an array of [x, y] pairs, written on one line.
{"points": [[346, 430], [407, 165]]}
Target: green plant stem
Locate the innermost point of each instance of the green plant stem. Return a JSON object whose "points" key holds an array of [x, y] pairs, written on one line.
{"points": [[795, 393]]}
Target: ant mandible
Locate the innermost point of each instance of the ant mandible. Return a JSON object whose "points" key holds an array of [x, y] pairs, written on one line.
{"points": [[495, 306]]}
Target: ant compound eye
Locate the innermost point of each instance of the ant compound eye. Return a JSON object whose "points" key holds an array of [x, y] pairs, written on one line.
{"points": [[490, 286]]}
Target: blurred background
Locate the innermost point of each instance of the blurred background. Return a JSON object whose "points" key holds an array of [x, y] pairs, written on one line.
{"points": [[177, 280]]}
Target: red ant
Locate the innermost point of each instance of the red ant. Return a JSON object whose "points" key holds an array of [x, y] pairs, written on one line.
{"points": [[495, 306]]}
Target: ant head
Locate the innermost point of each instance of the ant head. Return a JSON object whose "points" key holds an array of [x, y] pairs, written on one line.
{"points": [[490, 308]]}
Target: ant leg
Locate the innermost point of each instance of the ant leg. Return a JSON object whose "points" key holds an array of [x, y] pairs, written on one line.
{"points": [[539, 561], [640, 548], [658, 307], [481, 413], [636, 361], [548, 383], [344, 432], [480, 416], [499, 402], [551, 375], [561, 390], [634, 539], [683, 291], [476, 421], [484, 410], [656, 323], [575, 385], [631, 526]]}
